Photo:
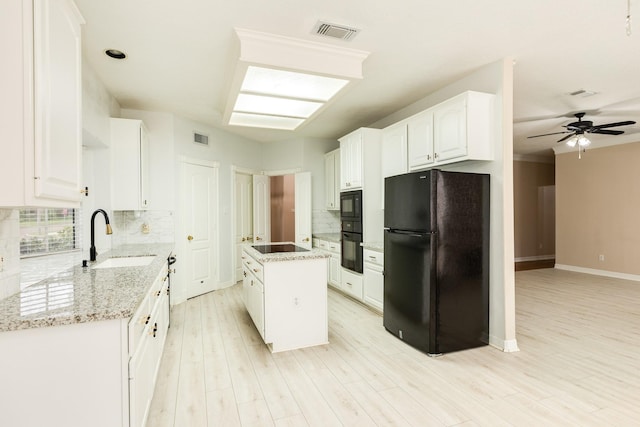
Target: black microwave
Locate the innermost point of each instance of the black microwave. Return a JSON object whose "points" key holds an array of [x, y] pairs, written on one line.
{"points": [[351, 206]]}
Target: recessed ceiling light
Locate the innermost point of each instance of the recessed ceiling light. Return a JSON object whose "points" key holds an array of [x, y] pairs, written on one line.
{"points": [[115, 54]]}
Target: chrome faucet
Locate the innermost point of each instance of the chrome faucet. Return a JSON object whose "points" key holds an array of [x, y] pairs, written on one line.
{"points": [[92, 249]]}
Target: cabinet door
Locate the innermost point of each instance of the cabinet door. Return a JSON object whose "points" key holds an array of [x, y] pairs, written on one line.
{"points": [[58, 100], [450, 129], [246, 286], [334, 270], [261, 209], [144, 168], [140, 383], [394, 150], [420, 140], [345, 163], [373, 287], [332, 180], [303, 209], [129, 165], [351, 161]]}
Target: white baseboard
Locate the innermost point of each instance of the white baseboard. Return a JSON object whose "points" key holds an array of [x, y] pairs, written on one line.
{"points": [[534, 258], [223, 285], [508, 346], [595, 272]]}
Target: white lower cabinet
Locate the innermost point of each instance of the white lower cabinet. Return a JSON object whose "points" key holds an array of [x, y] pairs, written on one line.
{"points": [[253, 292], [335, 270], [146, 352], [99, 374], [334, 267], [373, 289], [352, 283]]}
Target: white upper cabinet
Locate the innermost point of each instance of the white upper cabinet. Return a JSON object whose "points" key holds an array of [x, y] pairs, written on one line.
{"points": [[462, 128], [129, 165], [420, 140], [351, 161], [360, 158], [361, 169], [455, 130], [41, 103], [332, 180], [394, 149]]}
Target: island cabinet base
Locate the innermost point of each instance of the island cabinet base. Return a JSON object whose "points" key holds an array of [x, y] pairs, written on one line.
{"points": [[295, 304]]}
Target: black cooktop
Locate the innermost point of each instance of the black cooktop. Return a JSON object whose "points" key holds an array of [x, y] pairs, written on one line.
{"points": [[283, 247]]}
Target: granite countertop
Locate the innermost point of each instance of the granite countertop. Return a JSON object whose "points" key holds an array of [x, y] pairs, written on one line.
{"points": [[373, 246], [330, 237], [79, 295], [284, 256]]}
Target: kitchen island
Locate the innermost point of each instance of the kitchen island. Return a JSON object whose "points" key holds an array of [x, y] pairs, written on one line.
{"points": [[285, 293], [82, 348]]}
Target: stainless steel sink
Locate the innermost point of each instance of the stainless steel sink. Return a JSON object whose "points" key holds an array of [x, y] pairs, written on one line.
{"points": [[129, 261]]}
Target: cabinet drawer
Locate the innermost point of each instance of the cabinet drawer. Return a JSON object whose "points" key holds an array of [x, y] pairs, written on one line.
{"points": [[323, 244], [373, 257], [334, 247], [352, 283], [254, 266]]}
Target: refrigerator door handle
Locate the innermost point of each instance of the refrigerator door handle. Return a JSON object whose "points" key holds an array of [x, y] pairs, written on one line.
{"points": [[409, 233]]}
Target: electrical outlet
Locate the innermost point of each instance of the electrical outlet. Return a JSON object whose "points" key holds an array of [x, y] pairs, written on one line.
{"points": [[1, 263], [601, 257], [145, 228]]}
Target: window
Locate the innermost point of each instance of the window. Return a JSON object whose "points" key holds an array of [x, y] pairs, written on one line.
{"points": [[48, 230]]}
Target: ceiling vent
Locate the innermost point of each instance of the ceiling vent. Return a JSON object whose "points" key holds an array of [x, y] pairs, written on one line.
{"points": [[335, 31], [199, 138], [583, 93]]}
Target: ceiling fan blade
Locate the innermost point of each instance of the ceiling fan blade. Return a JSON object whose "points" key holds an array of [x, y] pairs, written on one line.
{"points": [[611, 125], [566, 137], [547, 134], [607, 132]]}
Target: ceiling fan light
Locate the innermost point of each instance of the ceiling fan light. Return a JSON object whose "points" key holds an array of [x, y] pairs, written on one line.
{"points": [[571, 142], [583, 141]]}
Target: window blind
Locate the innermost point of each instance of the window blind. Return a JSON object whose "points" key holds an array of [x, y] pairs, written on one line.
{"points": [[49, 230]]}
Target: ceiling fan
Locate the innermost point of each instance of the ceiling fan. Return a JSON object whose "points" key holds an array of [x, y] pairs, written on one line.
{"points": [[579, 128]]}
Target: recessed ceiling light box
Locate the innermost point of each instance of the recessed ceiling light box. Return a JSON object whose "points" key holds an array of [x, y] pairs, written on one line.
{"points": [[281, 82]]}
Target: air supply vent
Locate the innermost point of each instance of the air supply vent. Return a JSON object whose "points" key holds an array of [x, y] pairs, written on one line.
{"points": [[335, 31], [199, 138], [583, 93]]}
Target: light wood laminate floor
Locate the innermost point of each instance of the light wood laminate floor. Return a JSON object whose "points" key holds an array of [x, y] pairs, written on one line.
{"points": [[579, 365]]}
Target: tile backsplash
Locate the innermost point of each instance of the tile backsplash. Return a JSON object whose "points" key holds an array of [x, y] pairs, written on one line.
{"points": [[323, 221], [9, 252], [133, 227]]}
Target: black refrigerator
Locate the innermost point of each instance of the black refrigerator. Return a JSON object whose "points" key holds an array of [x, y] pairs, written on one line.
{"points": [[436, 260]]}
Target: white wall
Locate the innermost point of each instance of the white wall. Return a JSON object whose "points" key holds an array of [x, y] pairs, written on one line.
{"points": [[496, 78]]}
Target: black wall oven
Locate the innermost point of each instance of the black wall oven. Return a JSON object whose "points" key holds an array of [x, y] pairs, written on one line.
{"points": [[351, 225], [351, 251]]}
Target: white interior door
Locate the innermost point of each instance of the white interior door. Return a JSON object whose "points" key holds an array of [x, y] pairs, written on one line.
{"points": [[200, 211], [303, 209], [244, 216], [261, 209]]}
